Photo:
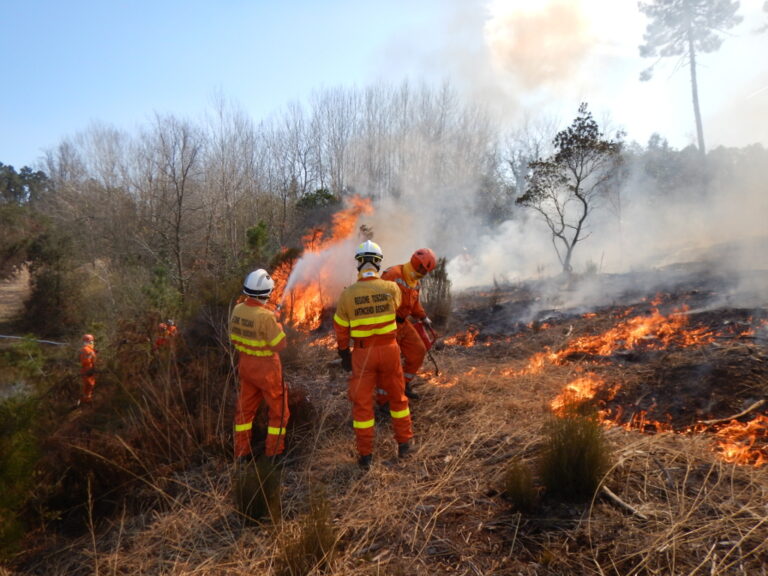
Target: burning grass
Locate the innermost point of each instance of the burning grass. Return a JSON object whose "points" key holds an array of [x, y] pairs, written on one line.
{"points": [[668, 503]]}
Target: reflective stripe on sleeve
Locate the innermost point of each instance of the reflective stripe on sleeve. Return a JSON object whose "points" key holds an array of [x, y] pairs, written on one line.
{"points": [[340, 321], [243, 427], [275, 431]]}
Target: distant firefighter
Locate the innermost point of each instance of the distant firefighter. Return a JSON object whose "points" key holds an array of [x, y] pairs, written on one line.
{"points": [[258, 337], [166, 334], [87, 369]]}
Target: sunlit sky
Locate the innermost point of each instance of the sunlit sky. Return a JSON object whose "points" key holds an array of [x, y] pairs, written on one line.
{"points": [[67, 65]]}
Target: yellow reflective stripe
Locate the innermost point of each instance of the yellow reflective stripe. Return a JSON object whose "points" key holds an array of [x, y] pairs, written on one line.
{"points": [[361, 425], [372, 320], [256, 343], [250, 352], [243, 427], [400, 413], [339, 320], [277, 339], [383, 330], [275, 431]]}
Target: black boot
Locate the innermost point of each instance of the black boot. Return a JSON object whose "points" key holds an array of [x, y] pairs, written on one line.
{"points": [[365, 461], [410, 393], [404, 450]]}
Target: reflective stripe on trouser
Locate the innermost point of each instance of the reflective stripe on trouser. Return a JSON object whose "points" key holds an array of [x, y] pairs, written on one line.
{"points": [[89, 383], [261, 379], [378, 367], [413, 350]]}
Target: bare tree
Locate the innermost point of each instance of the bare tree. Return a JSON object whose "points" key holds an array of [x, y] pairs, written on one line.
{"points": [[565, 188], [683, 29]]}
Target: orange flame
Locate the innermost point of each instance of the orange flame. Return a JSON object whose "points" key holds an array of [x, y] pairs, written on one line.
{"points": [[737, 441], [655, 331], [467, 339], [303, 299]]}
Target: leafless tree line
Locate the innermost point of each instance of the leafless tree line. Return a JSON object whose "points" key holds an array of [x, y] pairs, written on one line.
{"points": [[182, 193]]}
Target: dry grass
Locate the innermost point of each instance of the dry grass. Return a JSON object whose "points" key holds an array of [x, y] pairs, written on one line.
{"points": [[442, 511]]}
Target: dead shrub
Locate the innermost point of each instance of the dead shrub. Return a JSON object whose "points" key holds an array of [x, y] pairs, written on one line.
{"points": [[314, 547], [518, 487], [436, 293], [575, 456]]}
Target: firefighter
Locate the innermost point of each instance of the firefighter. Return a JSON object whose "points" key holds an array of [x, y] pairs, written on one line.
{"points": [[87, 357], [365, 315], [258, 337], [166, 334], [407, 277]]}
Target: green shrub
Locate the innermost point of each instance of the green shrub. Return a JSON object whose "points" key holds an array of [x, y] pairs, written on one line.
{"points": [[19, 453], [575, 456]]}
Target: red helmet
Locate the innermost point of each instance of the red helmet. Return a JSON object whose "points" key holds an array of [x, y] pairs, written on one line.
{"points": [[88, 338], [423, 261]]}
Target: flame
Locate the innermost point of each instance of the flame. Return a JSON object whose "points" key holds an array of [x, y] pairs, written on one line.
{"points": [[304, 296], [737, 441], [467, 339], [655, 331], [576, 392]]}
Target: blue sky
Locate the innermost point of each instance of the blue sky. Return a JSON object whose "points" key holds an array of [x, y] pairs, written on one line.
{"points": [[70, 63]]}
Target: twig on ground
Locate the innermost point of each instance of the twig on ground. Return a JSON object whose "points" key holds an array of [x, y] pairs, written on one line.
{"points": [[754, 406], [612, 496]]}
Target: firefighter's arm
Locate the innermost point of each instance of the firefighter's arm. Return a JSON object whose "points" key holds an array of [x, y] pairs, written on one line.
{"points": [[278, 341], [341, 325]]}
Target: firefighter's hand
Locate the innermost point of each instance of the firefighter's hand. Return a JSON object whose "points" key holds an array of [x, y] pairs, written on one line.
{"points": [[427, 322], [346, 359]]}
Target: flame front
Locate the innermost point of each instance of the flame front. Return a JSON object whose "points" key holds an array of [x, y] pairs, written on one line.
{"points": [[304, 297]]}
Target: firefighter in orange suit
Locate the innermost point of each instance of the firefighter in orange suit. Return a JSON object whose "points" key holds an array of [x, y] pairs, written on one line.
{"points": [[258, 337], [166, 334], [87, 368], [365, 315], [407, 277]]}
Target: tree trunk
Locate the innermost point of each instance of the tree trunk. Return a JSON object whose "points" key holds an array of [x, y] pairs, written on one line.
{"points": [[695, 93]]}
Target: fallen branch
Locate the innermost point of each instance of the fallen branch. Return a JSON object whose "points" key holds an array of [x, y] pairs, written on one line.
{"points": [[608, 492], [754, 406]]}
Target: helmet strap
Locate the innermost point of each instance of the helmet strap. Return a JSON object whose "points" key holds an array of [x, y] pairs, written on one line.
{"points": [[367, 264]]}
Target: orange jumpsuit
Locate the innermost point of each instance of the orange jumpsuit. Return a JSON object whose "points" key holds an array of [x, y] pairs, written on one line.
{"points": [[366, 315], [87, 371], [258, 337], [411, 345], [166, 335]]}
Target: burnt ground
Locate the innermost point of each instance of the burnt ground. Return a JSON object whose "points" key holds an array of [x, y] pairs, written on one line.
{"points": [[670, 384]]}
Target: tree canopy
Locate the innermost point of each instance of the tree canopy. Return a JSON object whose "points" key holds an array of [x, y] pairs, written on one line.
{"points": [[685, 28], [565, 187]]}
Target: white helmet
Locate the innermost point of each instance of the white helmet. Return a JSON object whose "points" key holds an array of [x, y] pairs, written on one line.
{"points": [[258, 284], [369, 252]]}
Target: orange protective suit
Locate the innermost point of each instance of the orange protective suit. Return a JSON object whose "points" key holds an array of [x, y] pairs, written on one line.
{"points": [[366, 315], [87, 371], [166, 335], [411, 345], [258, 337]]}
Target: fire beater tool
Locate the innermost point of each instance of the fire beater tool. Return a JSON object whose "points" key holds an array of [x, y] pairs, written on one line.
{"points": [[429, 337]]}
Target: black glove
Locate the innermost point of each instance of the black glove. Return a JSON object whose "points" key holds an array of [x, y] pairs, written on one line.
{"points": [[346, 359]]}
